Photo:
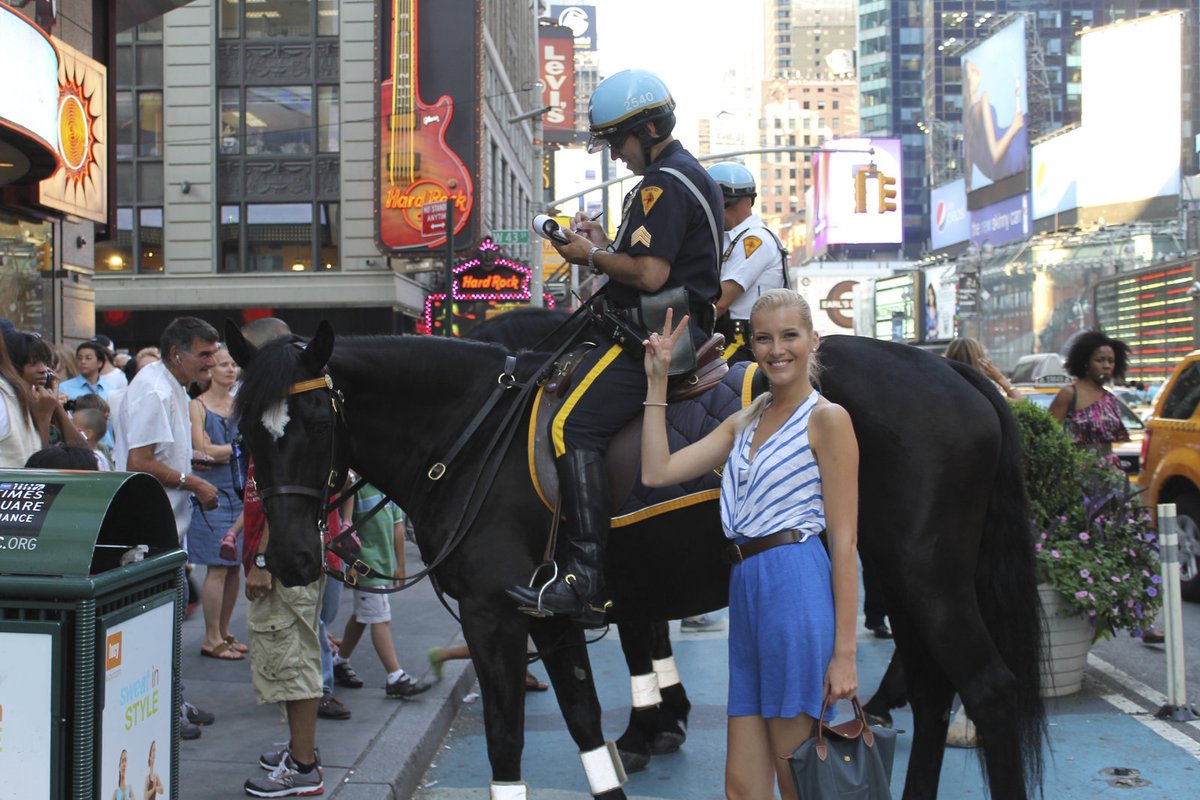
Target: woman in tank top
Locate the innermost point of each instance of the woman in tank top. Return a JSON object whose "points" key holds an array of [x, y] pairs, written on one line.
{"points": [[791, 471], [1088, 410]]}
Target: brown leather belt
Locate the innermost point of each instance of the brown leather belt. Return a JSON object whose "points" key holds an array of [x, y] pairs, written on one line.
{"points": [[735, 553]]}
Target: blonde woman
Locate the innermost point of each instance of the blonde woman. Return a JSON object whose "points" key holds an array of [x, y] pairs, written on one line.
{"points": [[790, 471], [970, 351], [213, 429]]}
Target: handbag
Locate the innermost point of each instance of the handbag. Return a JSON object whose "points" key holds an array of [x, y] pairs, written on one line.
{"points": [[851, 760]]}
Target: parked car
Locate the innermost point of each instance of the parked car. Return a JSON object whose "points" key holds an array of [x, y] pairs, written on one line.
{"points": [[1040, 368], [1171, 463], [1130, 453]]}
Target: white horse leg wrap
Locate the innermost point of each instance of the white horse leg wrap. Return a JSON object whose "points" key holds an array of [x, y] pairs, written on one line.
{"points": [[665, 669], [508, 791], [644, 689], [603, 768]]}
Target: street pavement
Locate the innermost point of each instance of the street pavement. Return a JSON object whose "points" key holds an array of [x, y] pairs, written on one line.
{"points": [[1107, 725], [379, 753], [384, 750]]}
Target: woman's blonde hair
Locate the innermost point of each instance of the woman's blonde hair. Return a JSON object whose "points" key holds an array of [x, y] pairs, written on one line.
{"points": [[771, 300], [966, 350]]}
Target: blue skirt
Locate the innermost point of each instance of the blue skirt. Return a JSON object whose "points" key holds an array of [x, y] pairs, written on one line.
{"points": [[781, 631]]}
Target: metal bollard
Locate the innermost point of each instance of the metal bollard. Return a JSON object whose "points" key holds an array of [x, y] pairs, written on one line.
{"points": [[1177, 708]]}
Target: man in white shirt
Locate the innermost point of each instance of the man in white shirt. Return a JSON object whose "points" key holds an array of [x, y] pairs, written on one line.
{"points": [[154, 435], [752, 262]]}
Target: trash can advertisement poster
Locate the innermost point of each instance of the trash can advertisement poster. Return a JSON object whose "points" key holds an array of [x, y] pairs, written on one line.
{"points": [[26, 673], [135, 751]]}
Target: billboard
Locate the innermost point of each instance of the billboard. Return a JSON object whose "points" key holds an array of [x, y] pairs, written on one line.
{"points": [[1002, 222], [1132, 89], [1056, 172], [939, 308], [557, 62], [581, 20], [995, 137], [857, 194], [428, 153], [951, 222], [80, 185], [895, 308]]}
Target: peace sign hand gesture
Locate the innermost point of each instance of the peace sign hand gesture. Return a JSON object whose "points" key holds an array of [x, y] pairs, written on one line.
{"points": [[659, 347]]}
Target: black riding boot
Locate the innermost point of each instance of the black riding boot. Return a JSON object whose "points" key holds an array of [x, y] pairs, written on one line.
{"points": [[579, 589]]}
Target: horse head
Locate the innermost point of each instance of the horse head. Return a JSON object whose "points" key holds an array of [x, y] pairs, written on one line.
{"points": [[290, 421]]}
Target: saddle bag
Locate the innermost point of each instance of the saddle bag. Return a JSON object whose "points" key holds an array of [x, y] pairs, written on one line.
{"points": [[629, 327]]}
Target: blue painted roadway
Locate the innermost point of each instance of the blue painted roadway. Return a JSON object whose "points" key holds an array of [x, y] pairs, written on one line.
{"points": [[1109, 724]]}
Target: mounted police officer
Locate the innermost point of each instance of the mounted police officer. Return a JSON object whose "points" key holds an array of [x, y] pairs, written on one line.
{"points": [[669, 240], [752, 261]]}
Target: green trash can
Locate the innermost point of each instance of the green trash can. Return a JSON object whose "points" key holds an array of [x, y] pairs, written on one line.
{"points": [[89, 635]]}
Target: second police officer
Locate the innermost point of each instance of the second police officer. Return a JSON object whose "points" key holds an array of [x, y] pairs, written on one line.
{"points": [[752, 261], [669, 238]]}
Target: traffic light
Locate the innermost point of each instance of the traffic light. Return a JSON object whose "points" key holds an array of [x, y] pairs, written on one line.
{"points": [[860, 189], [887, 194]]}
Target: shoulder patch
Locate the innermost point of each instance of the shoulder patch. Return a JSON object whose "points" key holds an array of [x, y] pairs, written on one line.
{"points": [[641, 236], [650, 196], [750, 244]]}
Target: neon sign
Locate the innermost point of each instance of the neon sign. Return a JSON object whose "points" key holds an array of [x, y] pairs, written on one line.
{"points": [[487, 277]]}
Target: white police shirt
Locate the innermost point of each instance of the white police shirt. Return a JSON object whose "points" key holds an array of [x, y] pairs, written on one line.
{"points": [[753, 261]]}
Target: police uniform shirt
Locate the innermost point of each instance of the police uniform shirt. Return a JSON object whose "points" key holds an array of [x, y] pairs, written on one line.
{"points": [[663, 218], [754, 263]]}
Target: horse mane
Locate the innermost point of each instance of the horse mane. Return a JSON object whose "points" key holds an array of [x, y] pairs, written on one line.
{"points": [[273, 370]]}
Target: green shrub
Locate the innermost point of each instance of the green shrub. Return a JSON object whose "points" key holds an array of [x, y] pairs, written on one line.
{"points": [[1052, 463]]}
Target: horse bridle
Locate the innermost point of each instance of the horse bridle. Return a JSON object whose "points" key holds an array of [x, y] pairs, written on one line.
{"points": [[324, 381]]}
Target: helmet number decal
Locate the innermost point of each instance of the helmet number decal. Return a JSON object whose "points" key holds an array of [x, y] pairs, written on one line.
{"points": [[650, 196], [645, 98], [750, 244]]}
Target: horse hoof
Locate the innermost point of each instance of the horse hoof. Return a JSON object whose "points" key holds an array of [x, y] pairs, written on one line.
{"points": [[884, 720], [667, 742], [633, 762]]}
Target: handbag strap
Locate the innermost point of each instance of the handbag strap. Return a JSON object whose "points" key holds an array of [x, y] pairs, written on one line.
{"points": [[868, 736]]}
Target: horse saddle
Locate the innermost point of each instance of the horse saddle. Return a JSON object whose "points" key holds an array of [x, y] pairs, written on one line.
{"points": [[697, 404]]}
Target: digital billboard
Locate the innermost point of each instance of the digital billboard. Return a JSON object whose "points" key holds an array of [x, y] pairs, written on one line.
{"points": [[1151, 311], [1132, 89], [895, 308], [857, 194], [951, 222], [995, 137], [1056, 171], [1002, 222], [940, 303]]}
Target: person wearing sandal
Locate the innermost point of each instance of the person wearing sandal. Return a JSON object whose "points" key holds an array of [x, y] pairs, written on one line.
{"points": [[213, 430]]}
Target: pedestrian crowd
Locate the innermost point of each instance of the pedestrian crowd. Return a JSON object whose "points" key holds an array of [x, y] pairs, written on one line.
{"points": [[170, 411]]}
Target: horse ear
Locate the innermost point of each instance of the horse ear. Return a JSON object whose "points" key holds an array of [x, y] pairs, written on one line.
{"points": [[241, 350], [319, 347]]}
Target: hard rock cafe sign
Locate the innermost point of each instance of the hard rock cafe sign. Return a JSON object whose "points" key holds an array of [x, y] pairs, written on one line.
{"points": [[80, 185], [416, 166]]}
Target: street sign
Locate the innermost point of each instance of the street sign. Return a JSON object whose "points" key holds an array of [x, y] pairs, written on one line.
{"points": [[519, 236], [433, 219]]}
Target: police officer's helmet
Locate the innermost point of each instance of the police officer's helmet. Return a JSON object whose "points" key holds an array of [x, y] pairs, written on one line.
{"points": [[734, 179], [626, 101]]}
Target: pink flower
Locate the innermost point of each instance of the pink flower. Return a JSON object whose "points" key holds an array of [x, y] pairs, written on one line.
{"points": [[1083, 573], [1038, 547], [1083, 537], [1080, 595], [1056, 554]]}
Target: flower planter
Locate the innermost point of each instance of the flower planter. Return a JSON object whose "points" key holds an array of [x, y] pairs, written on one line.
{"points": [[1066, 641]]}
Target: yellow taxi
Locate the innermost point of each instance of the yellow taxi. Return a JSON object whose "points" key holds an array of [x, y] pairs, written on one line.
{"points": [[1171, 463]]}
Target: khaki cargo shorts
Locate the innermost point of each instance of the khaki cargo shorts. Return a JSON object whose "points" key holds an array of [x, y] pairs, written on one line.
{"points": [[285, 653]]}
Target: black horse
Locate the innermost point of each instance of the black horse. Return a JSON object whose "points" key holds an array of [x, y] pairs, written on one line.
{"points": [[659, 704], [943, 507]]}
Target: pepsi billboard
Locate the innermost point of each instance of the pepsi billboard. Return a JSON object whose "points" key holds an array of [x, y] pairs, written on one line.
{"points": [[951, 222], [1002, 222]]}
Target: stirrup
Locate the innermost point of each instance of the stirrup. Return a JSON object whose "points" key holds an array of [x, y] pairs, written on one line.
{"points": [[539, 611]]}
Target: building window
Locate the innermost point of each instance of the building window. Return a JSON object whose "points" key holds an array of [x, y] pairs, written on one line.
{"points": [[328, 120], [279, 120], [278, 19], [136, 245], [280, 237]]}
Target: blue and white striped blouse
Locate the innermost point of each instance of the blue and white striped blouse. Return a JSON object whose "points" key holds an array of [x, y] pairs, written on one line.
{"points": [[781, 488]]}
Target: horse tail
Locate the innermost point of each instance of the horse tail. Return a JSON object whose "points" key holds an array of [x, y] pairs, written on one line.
{"points": [[1006, 586]]}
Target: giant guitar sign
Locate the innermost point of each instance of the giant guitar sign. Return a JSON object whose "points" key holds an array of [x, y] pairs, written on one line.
{"points": [[416, 166]]}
